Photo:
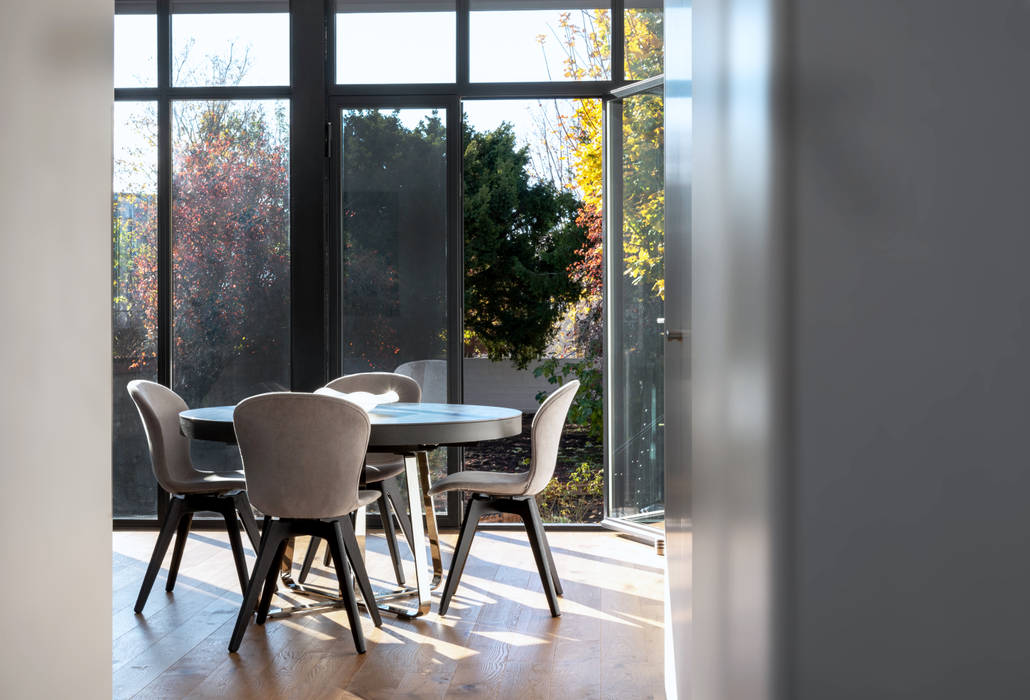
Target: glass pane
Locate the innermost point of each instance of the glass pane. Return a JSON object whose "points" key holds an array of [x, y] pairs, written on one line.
{"points": [[532, 297], [539, 40], [222, 48], [637, 487], [387, 42], [394, 239], [230, 254], [135, 48], [133, 299], [645, 48]]}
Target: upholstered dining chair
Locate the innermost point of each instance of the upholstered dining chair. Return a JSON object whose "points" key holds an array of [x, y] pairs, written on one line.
{"points": [[303, 455], [192, 490], [431, 375], [381, 470], [498, 492]]}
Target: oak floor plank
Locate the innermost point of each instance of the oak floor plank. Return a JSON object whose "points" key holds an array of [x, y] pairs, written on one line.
{"points": [[498, 639]]}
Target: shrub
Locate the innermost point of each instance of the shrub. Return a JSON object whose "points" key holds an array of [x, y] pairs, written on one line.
{"points": [[588, 408], [573, 500]]}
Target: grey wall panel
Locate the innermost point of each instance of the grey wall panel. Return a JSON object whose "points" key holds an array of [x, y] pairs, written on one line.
{"points": [[913, 333], [861, 323]]}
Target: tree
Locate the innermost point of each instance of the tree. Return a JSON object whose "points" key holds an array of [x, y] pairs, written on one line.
{"points": [[521, 238], [643, 135], [230, 250], [578, 136], [394, 203]]}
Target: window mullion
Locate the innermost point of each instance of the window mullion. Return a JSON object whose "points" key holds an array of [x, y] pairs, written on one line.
{"points": [[462, 51], [164, 199]]}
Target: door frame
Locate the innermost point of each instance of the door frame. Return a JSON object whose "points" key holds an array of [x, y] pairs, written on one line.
{"points": [[613, 284], [449, 105]]}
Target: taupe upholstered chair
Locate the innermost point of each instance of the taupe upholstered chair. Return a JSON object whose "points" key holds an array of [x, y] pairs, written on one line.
{"points": [[431, 375], [496, 492], [191, 489], [381, 469], [303, 455]]}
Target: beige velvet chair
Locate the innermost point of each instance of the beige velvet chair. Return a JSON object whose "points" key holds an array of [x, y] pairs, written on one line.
{"points": [[191, 489], [431, 376], [303, 455], [381, 469], [497, 492]]}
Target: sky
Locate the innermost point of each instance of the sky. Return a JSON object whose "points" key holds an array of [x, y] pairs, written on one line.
{"points": [[373, 47], [384, 47]]}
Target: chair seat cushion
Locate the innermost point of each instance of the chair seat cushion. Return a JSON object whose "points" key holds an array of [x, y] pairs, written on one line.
{"points": [[490, 483], [213, 482], [366, 497], [380, 467]]}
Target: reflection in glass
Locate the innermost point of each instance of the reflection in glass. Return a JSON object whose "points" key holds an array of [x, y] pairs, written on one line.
{"points": [[645, 50], [240, 48], [384, 42], [394, 242], [135, 49], [230, 251], [539, 40], [637, 294], [133, 300]]}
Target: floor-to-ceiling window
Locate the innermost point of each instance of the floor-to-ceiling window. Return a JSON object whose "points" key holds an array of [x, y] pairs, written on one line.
{"points": [[201, 218], [451, 208]]}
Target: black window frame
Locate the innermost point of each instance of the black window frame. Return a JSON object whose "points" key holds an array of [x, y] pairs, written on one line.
{"points": [[314, 98]]}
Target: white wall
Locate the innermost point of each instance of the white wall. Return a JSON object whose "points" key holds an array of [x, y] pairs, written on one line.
{"points": [[678, 478], [738, 418], [55, 406], [502, 384]]}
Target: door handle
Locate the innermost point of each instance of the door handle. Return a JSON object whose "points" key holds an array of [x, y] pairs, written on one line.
{"points": [[674, 335]]}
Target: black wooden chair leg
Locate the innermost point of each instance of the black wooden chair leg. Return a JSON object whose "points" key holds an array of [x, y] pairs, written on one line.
{"points": [[538, 542], [268, 590], [473, 512], [181, 535], [337, 546], [242, 504], [309, 559], [350, 543], [328, 558], [168, 527], [232, 525], [535, 510], [390, 533], [266, 559]]}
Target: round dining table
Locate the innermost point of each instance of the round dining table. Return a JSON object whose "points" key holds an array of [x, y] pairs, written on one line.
{"points": [[406, 429]]}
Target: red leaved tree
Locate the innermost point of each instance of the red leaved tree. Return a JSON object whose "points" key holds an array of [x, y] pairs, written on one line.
{"points": [[230, 248]]}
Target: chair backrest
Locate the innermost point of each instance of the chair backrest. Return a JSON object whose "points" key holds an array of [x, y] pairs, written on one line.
{"points": [[408, 390], [548, 424], [159, 409], [431, 375], [302, 453]]}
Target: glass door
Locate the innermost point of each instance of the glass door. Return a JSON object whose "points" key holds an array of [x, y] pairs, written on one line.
{"points": [[635, 303], [393, 232]]}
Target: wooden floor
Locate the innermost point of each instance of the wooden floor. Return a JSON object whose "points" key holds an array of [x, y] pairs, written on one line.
{"points": [[497, 641]]}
